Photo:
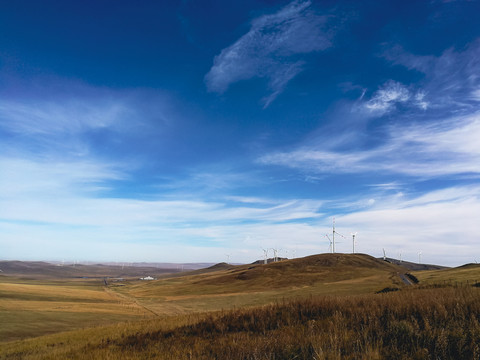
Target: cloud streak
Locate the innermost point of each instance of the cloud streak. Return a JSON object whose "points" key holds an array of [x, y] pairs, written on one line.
{"points": [[450, 148], [131, 229], [67, 204], [452, 79], [429, 223], [272, 49]]}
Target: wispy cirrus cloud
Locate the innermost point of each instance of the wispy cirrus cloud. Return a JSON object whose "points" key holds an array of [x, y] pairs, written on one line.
{"points": [[31, 178], [67, 204], [451, 83], [131, 229], [272, 49], [390, 96], [398, 56], [62, 108], [64, 121], [70, 195], [44, 117], [407, 225], [451, 80], [387, 96], [448, 147]]}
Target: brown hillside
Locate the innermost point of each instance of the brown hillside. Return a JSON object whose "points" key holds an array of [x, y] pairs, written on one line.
{"points": [[253, 285], [305, 271]]}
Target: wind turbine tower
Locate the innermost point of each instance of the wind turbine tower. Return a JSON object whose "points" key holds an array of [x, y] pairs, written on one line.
{"points": [[275, 255], [333, 236], [420, 257], [353, 240], [265, 256]]}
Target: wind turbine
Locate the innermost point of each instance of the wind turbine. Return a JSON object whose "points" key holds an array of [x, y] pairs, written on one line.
{"points": [[228, 257], [384, 255], [419, 257], [265, 255], [275, 254], [353, 240], [330, 246], [333, 236]]}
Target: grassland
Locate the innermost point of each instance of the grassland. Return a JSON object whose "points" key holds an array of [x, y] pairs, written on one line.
{"points": [[463, 275], [31, 308], [319, 307], [254, 285], [436, 323]]}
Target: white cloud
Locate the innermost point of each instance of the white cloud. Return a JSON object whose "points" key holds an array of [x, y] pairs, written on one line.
{"points": [[29, 179], [420, 100], [386, 97], [397, 55], [69, 123], [62, 214], [448, 147], [476, 94], [442, 224], [280, 79], [41, 117], [451, 79], [65, 209], [271, 49], [72, 194]]}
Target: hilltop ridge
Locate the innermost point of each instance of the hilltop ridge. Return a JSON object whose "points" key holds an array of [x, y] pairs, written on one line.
{"points": [[302, 271]]}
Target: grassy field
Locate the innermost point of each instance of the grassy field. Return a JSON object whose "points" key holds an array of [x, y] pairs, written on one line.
{"points": [[463, 275], [31, 308], [254, 285], [43, 304], [319, 307], [435, 323]]}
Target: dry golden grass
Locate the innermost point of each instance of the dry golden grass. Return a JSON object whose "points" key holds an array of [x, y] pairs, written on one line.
{"points": [[254, 285], [319, 307], [32, 308], [436, 323], [45, 305], [459, 275]]}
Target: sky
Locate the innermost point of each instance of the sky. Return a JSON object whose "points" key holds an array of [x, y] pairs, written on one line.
{"points": [[206, 131]]}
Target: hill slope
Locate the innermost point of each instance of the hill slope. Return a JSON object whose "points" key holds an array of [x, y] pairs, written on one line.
{"points": [[258, 284], [411, 266], [469, 273], [324, 268]]}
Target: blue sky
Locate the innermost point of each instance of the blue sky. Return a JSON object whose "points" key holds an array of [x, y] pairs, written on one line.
{"points": [[182, 131]]}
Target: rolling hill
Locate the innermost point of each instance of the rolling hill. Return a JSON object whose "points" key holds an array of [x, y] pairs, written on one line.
{"points": [[283, 310], [411, 266], [225, 286], [465, 274]]}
